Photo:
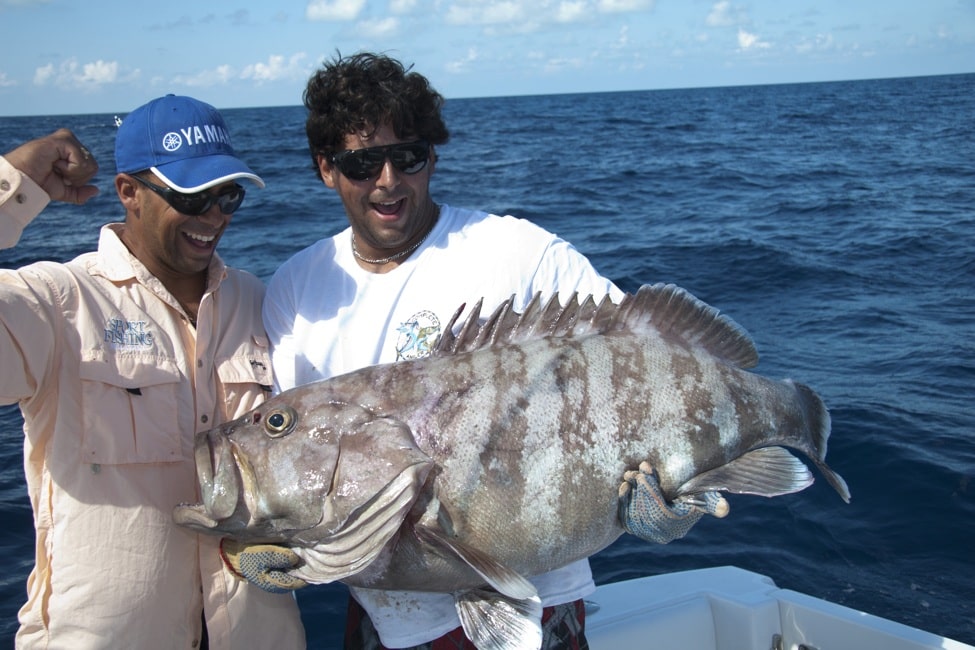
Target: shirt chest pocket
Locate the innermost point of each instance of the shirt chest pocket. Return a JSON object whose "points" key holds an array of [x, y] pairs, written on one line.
{"points": [[130, 409], [244, 377]]}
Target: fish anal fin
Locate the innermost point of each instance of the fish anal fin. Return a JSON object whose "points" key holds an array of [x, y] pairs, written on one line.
{"points": [[507, 582], [769, 472], [495, 622]]}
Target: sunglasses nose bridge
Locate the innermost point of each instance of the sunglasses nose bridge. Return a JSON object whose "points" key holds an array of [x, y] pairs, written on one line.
{"points": [[388, 173], [218, 207], [213, 213]]}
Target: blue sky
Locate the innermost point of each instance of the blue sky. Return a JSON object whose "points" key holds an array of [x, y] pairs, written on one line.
{"points": [[103, 56]]}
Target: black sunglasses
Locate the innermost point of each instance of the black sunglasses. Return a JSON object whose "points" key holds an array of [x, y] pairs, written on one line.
{"points": [[363, 164], [198, 203]]}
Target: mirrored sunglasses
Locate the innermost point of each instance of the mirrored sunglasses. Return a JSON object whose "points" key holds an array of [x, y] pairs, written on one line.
{"points": [[198, 203], [363, 164]]}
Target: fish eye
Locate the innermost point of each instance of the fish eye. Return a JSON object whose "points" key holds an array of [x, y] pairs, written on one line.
{"points": [[280, 422]]}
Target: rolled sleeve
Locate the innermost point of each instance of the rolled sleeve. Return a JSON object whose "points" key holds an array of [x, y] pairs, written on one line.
{"points": [[21, 199]]}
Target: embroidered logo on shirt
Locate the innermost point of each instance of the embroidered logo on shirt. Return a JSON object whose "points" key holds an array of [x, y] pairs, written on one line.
{"points": [[417, 336], [128, 334]]}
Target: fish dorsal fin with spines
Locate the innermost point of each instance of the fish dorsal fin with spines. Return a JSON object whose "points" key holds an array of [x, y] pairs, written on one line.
{"points": [[668, 309]]}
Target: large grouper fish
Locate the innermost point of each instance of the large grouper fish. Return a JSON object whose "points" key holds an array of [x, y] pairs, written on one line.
{"points": [[503, 453]]}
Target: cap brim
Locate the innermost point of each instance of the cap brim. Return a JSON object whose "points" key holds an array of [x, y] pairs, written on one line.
{"points": [[186, 175]]}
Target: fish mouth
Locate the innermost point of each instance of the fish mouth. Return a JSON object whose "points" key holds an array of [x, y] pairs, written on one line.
{"points": [[217, 468]]}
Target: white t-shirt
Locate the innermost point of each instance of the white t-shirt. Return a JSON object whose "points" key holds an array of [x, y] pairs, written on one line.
{"points": [[325, 316]]}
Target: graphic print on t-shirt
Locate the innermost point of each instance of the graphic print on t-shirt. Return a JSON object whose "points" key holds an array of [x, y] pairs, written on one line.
{"points": [[418, 335]]}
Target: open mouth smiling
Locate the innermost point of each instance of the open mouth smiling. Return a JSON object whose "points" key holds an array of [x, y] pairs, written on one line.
{"points": [[201, 240], [388, 207]]}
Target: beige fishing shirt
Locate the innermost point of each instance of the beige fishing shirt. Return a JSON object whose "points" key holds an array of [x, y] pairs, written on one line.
{"points": [[113, 381]]}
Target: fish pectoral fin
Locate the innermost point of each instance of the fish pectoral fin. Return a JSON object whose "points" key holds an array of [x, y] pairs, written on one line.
{"points": [[495, 622], [510, 583], [768, 472], [355, 546]]}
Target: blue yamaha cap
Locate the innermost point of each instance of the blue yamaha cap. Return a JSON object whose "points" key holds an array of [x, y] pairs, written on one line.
{"points": [[183, 141]]}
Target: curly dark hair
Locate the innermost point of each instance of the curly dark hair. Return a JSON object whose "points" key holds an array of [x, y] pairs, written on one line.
{"points": [[361, 93]]}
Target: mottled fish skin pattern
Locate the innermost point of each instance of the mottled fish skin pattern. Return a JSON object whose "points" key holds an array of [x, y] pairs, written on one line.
{"points": [[523, 426]]}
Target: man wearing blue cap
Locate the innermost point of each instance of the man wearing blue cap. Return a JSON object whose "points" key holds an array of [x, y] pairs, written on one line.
{"points": [[117, 358]]}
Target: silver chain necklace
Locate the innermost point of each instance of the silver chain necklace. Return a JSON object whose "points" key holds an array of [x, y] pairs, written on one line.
{"points": [[395, 256]]}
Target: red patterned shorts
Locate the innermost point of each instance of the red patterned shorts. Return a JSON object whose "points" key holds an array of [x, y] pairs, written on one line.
{"points": [[563, 628]]}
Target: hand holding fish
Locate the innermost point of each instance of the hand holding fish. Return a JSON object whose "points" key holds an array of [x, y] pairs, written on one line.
{"points": [[645, 512], [264, 565]]}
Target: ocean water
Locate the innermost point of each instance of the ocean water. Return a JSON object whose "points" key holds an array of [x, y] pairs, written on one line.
{"points": [[834, 221]]}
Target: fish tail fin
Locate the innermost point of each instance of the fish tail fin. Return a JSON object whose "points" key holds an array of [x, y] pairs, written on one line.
{"points": [[817, 415], [819, 426]]}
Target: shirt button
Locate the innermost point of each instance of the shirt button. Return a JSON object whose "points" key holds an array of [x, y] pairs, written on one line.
{"points": [[199, 363], [21, 198], [4, 185], [204, 419]]}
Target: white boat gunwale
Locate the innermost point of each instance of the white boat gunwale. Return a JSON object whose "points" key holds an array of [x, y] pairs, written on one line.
{"points": [[729, 608]]}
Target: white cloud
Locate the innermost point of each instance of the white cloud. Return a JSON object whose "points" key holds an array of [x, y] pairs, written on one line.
{"points": [[570, 12], [275, 69], [378, 28], [622, 6], [219, 75], [536, 12], [87, 76], [461, 65], [43, 74], [99, 72], [819, 43], [748, 41], [334, 9], [624, 38], [720, 15], [560, 64], [485, 13], [402, 6], [5, 82]]}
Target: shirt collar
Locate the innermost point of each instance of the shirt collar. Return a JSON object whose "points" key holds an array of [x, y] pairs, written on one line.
{"points": [[118, 264]]}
